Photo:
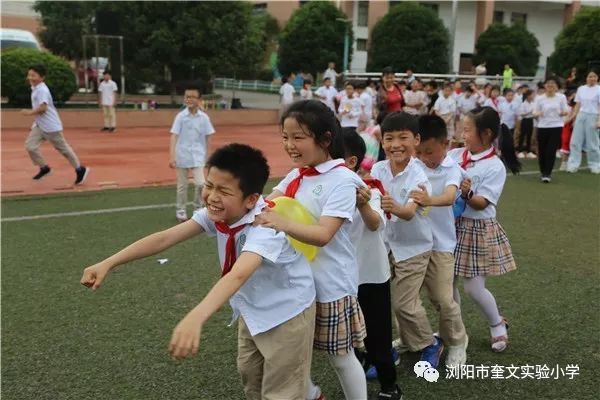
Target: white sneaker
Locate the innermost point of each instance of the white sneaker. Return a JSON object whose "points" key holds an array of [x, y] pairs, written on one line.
{"points": [[521, 155], [457, 355], [400, 347], [546, 179], [558, 155], [571, 170], [531, 156], [563, 166], [181, 215]]}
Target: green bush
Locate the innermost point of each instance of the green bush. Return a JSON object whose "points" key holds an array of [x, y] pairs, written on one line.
{"points": [[15, 62], [514, 45], [409, 36], [578, 44]]}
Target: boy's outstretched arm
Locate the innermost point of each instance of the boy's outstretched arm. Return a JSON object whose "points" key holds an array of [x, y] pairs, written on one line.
{"points": [[186, 335], [422, 198], [151, 244]]}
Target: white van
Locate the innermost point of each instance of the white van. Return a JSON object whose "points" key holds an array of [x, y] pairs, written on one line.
{"points": [[17, 38]]}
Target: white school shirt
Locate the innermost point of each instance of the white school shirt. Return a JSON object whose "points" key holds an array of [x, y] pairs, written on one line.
{"points": [[526, 109], [551, 107], [412, 97], [465, 104], [306, 94], [490, 103], [281, 287], [192, 131], [352, 105], [287, 93], [448, 173], [49, 120], [373, 264], [406, 239], [589, 99], [508, 113], [331, 74], [487, 180], [329, 94], [107, 90], [331, 194], [445, 105], [366, 104]]}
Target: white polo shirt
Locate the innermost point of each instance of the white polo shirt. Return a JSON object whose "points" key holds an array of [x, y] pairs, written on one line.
{"points": [[331, 194], [526, 109], [508, 113], [448, 173], [551, 107], [49, 120], [107, 90], [445, 105], [366, 104], [487, 180], [406, 239], [589, 99], [281, 288], [373, 264], [413, 97], [351, 118], [192, 129], [329, 94], [466, 104], [495, 104], [287, 93]]}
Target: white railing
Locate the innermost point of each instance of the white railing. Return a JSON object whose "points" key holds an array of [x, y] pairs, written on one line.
{"points": [[494, 79], [259, 86]]}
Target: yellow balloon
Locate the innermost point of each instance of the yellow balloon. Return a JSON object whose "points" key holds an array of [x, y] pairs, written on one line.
{"points": [[292, 209]]}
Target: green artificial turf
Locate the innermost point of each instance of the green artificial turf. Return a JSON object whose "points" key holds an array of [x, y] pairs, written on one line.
{"points": [[61, 341]]}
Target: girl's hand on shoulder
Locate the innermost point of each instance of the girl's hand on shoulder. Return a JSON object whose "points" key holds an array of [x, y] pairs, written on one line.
{"points": [[421, 197], [388, 204], [465, 186], [270, 219]]}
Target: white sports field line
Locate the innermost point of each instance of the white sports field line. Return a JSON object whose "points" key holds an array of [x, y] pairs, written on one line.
{"points": [[125, 209]]}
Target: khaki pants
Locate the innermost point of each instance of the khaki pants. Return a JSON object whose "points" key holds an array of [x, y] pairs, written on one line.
{"points": [[182, 187], [275, 365], [35, 139], [407, 278], [439, 280], [110, 116]]}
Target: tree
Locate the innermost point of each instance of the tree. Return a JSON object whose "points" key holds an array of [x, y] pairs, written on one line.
{"points": [[578, 43], [15, 62], [312, 38], [514, 45], [168, 41], [409, 36]]}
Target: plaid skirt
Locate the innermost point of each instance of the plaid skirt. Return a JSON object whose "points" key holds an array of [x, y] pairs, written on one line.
{"points": [[482, 248], [340, 326]]}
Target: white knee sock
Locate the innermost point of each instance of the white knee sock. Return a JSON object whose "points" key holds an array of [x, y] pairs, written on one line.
{"points": [[351, 376], [475, 288]]}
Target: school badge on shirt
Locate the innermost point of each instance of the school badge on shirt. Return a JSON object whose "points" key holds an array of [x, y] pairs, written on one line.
{"points": [[318, 190], [241, 242]]}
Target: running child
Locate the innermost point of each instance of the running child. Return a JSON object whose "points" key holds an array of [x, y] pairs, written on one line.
{"points": [[482, 248], [527, 122], [350, 107], [445, 108], [47, 126], [268, 284]]}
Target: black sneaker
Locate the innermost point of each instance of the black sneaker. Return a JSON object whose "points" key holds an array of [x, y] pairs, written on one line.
{"points": [[104, 129], [43, 172], [111, 130], [82, 173], [394, 394]]}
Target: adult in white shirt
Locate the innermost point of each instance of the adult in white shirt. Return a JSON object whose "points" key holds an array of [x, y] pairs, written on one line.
{"points": [[327, 93], [286, 93], [331, 73], [47, 126], [587, 123], [549, 109], [107, 93]]}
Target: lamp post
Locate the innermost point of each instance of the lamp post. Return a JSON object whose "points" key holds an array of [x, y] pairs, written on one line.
{"points": [[346, 41]]}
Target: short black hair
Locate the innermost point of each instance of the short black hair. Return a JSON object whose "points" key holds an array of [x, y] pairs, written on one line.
{"points": [[387, 71], [448, 85], [506, 91], [354, 145], [432, 127], [432, 83], [246, 163], [284, 80], [400, 121], [39, 68], [326, 79], [193, 86], [106, 72], [360, 85]]}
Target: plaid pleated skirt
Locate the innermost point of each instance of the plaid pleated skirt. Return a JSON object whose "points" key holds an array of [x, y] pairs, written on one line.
{"points": [[340, 326], [482, 248]]}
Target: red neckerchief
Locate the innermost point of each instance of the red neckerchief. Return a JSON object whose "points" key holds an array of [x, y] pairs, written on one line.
{"points": [[230, 256], [294, 185], [466, 160], [376, 184]]}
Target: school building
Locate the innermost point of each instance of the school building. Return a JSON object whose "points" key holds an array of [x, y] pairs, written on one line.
{"points": [[544, 19]]}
